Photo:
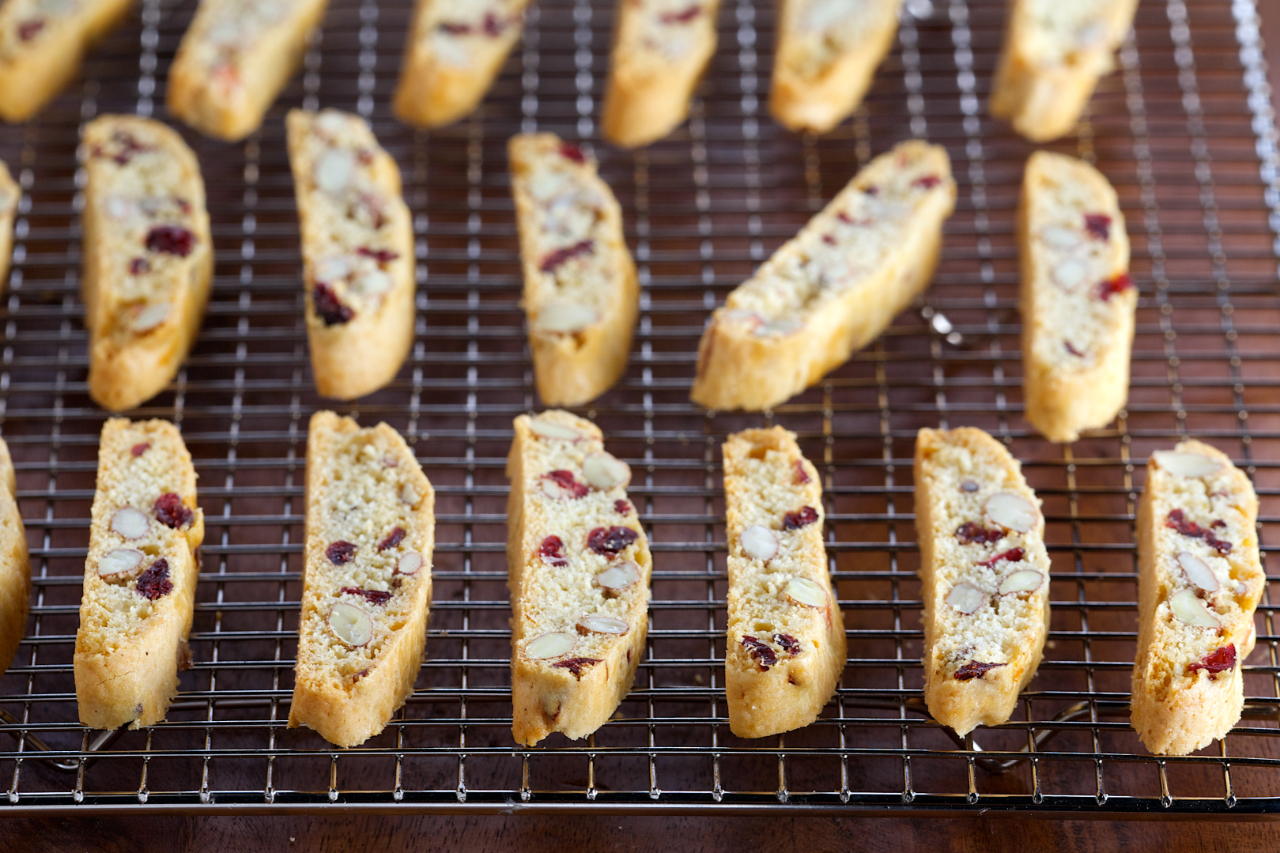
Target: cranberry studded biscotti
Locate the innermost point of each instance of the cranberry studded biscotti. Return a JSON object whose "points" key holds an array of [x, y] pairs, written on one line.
{"points": [[15, 564], [366, 579], [578, 566], [357, 252], [786, 643], [1199, 581], [148, 257], [140, 576], [984, 573], [833, 288], [454, 51], [1077, 299], [581, 293], [10, 195], [660, 50], [42, 46], [827, 54], [1054, 53], [235, 58]]}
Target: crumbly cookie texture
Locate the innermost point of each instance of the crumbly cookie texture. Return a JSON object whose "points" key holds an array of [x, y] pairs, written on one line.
{"points": [[357, 252], [833, 288], [366, 579], [1199, 581], [15, 565], [42, 46], [984, 573], [454, 51], [578, 567], [827, 55], [1053, 56], [235, 58], [660, 50], [786, 642], [1077, 298], [10, 196], [581, 293], [139, 577], [148, 257]]}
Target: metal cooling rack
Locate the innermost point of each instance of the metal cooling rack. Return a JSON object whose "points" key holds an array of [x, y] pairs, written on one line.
{"points": [[1184, 129]]}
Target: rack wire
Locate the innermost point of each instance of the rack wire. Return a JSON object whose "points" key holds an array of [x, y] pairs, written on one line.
{"points": [[1183, 128]]}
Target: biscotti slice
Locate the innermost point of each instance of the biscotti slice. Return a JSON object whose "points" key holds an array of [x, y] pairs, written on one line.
{"points": [[148, 257], [984, 574], [235, 58], [827, 55], [140, 576], [1053, 55], [786, 644], [1199, 580], [660, 49], [454, 51], [42, 45], [10, 195], [1077, 299], [15, 565], [581, 293], [366, 579], [833, 288], [357, 252], [578, 567]]}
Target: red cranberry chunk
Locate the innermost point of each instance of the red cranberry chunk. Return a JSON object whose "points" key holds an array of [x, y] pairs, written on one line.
{"points": [[559, 256], [183, 204], [154, 582], [565, 480], [575, 665], [453, 28], [340, 552], [1112, 286], [1072, 349], [172, 512], [802, 476], [394, 538], [569, 151], [329, 307], [28, 30], [359, 675], [828, 239], [1013, 555], [684, 16], [493, 25], [1098, 225], [971, 533], [1177, 520], [803, 517], [1218, 660], [621, 507], [382, 256], [373, 596], [975, 669], [139, 449], [928, 182], [610, 540], [871, 190], [138, 266], [761, 653], [170, 240], [788, 643], [552, 551]]}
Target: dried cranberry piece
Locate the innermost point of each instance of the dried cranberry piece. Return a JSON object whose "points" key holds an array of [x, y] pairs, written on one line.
{"points": [[928, 182], [610, 540], [453, 28], [576, 665], [569, 151], [139, 449], [975, 669], [552, 551], [621, 507], [394, 538], [172, 512], [28, 30], [803, 517], [373, 205], [802, 476], [828, 239], [684, 16], [559, 256], [971, 532], [329, 307], [1112, 286], [373, 596], [365, 156], [382, 256], [183, 204], [359, 675], [1013, 555], [171, 240], [340, 552], [1177, 520], [493, 25], [1071, 349], [1098, 225], [763, 655], [1218, 523], [154, 582], [1218, 660], [565, 480], [138, 266], [789, 644], [871, 190]]}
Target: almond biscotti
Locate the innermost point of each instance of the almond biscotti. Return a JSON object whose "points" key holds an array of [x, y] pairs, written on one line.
{"points": [[454, 51], [140, 576], [786, 643], [1077, 299], [578, 567], [827, 55], [10, 195], [15, 564], [235, 58], [357, 252], [366, 579], [833, 288], [581, 293], [660, 49], [1199, 581], [42, 46], [984, 574], [1053, 55], [148, 257]]}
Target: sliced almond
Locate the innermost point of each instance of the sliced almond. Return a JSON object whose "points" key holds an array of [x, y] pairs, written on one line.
{"points": [[409, 563], [556, 490], [409, 495], [805, 592], [121, 561], [1012, 512], [350, 624], [130, 523], [552, 644], [1069, 273], [618, 577], [553, 430], [759, 543], [605, 471], [1197, 571], [966, 598], [1023, 580], [597, 624], [1186, 464], [1060, 237], [331, 122], [151, 317], [561, 318], [334, 170], [1190, 609], [374, 283], [780, 327]]}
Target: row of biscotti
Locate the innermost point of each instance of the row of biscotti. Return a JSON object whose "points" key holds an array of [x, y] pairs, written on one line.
{"points": [[238, 54]]}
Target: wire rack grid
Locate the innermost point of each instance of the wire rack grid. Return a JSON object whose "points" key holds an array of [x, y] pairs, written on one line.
{"points": [[1183, 128]]}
